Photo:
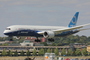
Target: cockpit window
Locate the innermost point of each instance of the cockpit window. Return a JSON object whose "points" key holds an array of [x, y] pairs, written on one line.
{"points": [[8, 29]]}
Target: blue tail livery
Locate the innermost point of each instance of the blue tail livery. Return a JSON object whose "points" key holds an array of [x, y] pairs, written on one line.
{"points": [[74, 20]]}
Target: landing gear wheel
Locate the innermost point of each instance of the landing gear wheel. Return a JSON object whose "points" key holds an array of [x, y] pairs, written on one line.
{"points": [[37, 40], [51, 40], [11, 40]]}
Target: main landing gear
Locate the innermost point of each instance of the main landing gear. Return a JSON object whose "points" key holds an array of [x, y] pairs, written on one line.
{"points": [[37, 40], [51, 39]]}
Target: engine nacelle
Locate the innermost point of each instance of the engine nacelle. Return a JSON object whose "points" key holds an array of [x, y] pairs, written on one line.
{"points": [[49, 34]]}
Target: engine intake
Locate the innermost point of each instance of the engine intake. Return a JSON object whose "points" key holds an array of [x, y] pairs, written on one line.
{"points": [[49, 34]]}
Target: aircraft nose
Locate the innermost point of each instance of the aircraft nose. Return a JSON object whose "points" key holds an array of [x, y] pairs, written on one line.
{"points": [[5, 32]]}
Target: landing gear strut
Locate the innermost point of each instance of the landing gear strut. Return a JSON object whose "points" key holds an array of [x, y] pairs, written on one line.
{"points": [[10, 38], [37, 40], [51, 39]]}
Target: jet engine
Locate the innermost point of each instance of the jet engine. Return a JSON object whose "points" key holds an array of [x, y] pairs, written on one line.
{"points": [[49, 34]]}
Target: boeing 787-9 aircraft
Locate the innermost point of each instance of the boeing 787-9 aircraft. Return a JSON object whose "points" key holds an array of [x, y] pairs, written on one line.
{"points": [[48, 32]]}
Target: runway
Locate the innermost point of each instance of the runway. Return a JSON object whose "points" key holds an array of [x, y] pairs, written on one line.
{"points": [[21, 58], [43, 58]]}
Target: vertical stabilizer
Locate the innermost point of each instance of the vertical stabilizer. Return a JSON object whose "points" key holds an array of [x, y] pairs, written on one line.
{"points": [[74, 20]]}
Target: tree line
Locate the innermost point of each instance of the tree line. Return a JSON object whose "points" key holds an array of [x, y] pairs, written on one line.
{"points": [[59, 41], [67, 40], [41, 52]]}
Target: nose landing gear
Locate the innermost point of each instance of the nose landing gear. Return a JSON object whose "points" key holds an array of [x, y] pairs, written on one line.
{"points": [[10, 38]]}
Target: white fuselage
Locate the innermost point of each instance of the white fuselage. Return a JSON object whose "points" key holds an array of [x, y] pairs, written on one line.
{"points": [[28, 30], [45, 31], [31, 27]]}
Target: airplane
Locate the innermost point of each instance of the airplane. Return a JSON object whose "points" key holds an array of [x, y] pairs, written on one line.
{"points": [[48, 32]]}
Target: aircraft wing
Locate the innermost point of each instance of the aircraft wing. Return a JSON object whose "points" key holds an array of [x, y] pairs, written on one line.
{"points": [[66, 29], [72, 28]]}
